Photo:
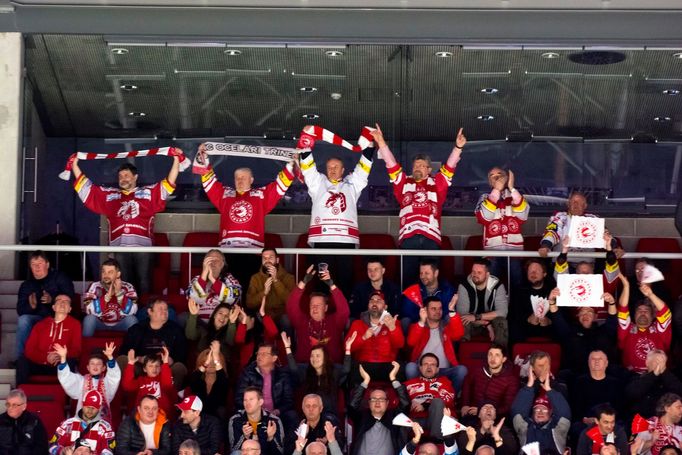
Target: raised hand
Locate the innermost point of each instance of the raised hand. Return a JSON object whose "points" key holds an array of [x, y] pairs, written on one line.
{"points": [[247, 430], [165, 355], [390, 322], [261, 310], [268, 286], [350, 339], [364, 375], [378, 137], [461, 139], [286, 340], [62, 351], [309, 274], [423, 314], [329, 431], [510, 179], [109, 350], [131, 357], [215, 349], [192, 306], [546, 384], [495, 430], [271, 430], [418, 432], [452, 306], [471, 434], [233, 315], [565, 242], [531, 377], [645, 289], [393, 374]]}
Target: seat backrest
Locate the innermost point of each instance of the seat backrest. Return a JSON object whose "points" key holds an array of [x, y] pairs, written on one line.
{"points": [[47, 401], [97, 343], [473, 354], [447, 263], [523, 350]]}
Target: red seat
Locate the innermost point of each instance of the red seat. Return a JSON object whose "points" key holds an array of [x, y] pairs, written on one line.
{"points": [[523, 350], [381, 242], [42, 379], [201, 239], [474, 242], [672, 269], [162, 266], [531, 242], [447, 263], [473, 354], [47, 401]]}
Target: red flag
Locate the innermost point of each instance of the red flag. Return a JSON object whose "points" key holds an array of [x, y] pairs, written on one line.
{"points": [[414, 294], [639, 424]]}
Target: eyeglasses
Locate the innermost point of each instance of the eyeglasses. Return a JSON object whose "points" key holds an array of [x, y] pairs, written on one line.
{"points": [[377, 400], [15, 405]]}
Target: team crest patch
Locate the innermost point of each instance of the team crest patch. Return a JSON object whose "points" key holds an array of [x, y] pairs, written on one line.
{"points": [[580, 290], [128, 210], [337, 203], [241, 212]]}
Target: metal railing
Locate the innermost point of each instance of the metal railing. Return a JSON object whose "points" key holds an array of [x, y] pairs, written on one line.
{"points": [[85, 249]]}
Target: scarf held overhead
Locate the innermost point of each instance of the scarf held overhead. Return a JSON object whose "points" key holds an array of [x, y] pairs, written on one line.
{"points": [[162, 151]]}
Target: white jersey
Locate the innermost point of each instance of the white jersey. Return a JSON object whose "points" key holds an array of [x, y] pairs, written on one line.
{"points": [[334, 217]]}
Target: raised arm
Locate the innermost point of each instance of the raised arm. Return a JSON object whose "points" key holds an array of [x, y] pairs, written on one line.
{"points": [[175, 168]]}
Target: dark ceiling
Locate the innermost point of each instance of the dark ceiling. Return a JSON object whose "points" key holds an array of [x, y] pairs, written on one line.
{"points": [[79, 86]]}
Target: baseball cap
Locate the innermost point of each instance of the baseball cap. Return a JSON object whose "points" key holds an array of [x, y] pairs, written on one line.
{"points": [[544, 402], [377, 292], [192, 402], [93, 399]]}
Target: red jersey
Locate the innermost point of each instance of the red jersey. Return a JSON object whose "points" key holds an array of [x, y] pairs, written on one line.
{"points": [[160, 386], [382, 347], [242, 215], [100, 436], [421, 203], [110, 311], [130, 213], [424, 390], [636, 343]]}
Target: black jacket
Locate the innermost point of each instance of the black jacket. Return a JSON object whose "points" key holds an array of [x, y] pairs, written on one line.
{"points": [[236, 435], [130, 440], [282, 392], [644, 391], [363, 419], [54, 283], [209, 435], [23, 436], [145, 340]]}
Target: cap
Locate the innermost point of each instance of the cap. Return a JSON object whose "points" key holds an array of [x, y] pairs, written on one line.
{"points": [[93, 399], [542, 401], [192, 402], [379, 293]]}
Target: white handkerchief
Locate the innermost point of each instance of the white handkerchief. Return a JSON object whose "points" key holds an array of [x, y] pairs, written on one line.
{"points": [[531, 449], [302, 430], [580, 290], [540, 305], [651, 274], [611, 438], [402, 420], [450, 426], [586, 232]]}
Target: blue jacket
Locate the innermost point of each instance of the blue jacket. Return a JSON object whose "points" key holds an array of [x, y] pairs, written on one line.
{"points": [[445, 292], [550, 435]]}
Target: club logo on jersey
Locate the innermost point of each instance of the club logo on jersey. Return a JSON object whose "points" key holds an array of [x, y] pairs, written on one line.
{"points": [[129, 210], [337, 202], [241, 212], [420, 199]]}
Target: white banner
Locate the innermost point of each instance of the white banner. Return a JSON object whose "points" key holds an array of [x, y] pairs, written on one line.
{"points": [[586, 232], [580, 290]]}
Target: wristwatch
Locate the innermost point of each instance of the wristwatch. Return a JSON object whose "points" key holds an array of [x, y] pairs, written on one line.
{"points": [[478, 316]]}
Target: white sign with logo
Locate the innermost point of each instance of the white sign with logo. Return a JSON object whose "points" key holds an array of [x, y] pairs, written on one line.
{"points": [[580, 290], [586, 232]]}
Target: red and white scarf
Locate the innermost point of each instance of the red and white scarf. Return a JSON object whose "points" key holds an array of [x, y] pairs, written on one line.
{"points": [[163, 151], [312, 133]]}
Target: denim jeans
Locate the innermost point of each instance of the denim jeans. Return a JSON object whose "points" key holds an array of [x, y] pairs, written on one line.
{"points": [[92, 323], [24, 325]]}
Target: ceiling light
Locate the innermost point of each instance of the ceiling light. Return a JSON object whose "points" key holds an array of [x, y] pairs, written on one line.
{"points": [[485, 117], [136, 114], [677, 55], [308, 89], [550, 55], [662, 118], [128, 87], [119, 50], [333, 53], [444, 54], [232, 52], [489, 90], [644, 138], [310, 116], [671, 91]]}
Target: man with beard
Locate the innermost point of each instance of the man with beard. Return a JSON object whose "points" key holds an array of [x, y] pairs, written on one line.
{"points": [[527, 321], [431, 284], [646, 333], [130, 211], [110, 303], [432, 334], [483, 304], [487, 433], [429, 395], [281, 284], [87, 425], [214, 286], [664, 429], [377, 338], [192, 424], [495, 383], [421, 198]]}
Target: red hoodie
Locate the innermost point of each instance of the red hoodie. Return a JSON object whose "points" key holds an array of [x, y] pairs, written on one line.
{"points": [[47, 332], [160, 386]]}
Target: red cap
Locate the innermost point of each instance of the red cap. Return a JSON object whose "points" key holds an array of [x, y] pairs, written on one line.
{"points": [[191, 402], [93, 399], [542, 401], [379, 293]]}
